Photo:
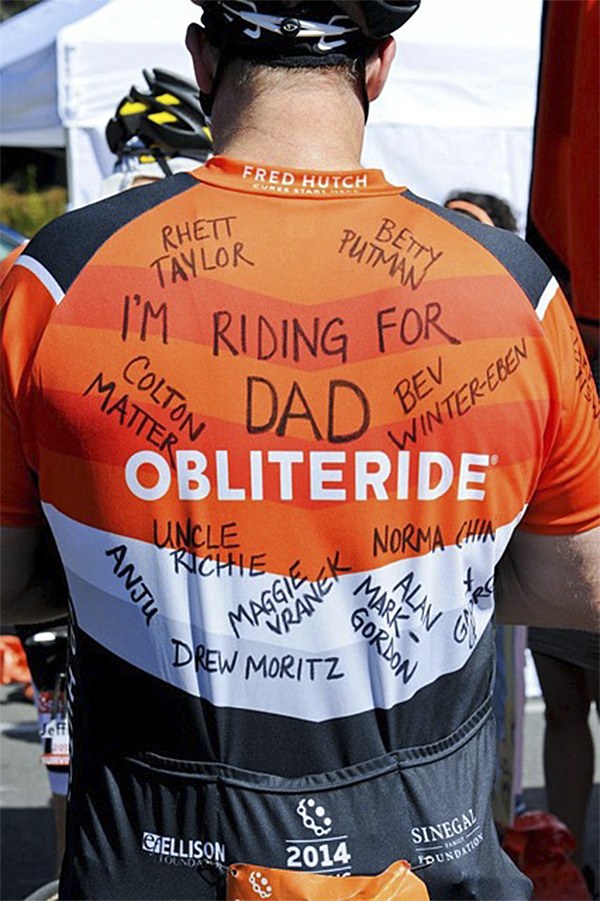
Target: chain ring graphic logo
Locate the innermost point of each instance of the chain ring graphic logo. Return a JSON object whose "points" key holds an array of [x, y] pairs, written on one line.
{"points": [[260, 884], [305, 810]]}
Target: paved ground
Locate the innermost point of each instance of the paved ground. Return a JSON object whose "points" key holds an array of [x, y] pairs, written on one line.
{"points": [[26, 823]]}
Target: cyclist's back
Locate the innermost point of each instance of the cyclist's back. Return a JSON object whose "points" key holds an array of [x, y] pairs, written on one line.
{"points": [[308, 411]]}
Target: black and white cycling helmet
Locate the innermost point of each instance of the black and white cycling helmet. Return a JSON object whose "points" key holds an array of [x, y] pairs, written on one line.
{"points": [[162, 123], [302, 32]]}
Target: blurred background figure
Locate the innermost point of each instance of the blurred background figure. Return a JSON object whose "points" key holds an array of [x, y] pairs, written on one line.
{"points": [[567, 663], [486, 208]]}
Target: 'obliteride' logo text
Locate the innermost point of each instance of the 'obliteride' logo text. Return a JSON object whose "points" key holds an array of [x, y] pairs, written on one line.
{"points": [[287, 475]]}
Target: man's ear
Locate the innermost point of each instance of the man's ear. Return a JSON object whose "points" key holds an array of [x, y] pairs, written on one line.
{"points": [[202, 57], [378, 67]]}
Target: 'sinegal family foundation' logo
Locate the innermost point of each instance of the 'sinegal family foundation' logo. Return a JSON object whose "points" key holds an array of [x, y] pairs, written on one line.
{"points": [[448, 840]]}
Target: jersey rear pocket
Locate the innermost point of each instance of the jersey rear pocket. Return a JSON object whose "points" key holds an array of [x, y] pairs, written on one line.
{"points": [[182, 823]]}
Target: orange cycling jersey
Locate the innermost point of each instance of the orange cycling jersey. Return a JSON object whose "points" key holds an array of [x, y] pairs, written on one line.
{"points": [[283, 424]]}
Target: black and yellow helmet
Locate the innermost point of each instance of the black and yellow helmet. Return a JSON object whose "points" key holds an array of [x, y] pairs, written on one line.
{"points": [[165, 121]]}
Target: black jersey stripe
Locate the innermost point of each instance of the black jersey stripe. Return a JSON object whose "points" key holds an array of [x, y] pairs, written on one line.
{"points": [[524, 265], [67, 244], [139, 710]]}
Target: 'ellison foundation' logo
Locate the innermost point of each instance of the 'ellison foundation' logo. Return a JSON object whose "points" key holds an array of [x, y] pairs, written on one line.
{"points": [[181, 851]]}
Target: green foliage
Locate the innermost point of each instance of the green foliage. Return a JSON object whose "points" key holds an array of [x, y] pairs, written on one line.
{"points": [[30, 178], [27, 212], [22, 206]]}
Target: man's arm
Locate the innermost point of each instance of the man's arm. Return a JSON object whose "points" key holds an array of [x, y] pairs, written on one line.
{"points": [[550, 581], [33, 584]]}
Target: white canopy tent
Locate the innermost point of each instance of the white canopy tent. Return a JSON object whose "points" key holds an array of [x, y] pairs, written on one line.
{"points": [[458, 112], [29, 87]]}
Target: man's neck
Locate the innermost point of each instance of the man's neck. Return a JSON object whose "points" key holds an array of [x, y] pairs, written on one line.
{"points": [[321, 130]]}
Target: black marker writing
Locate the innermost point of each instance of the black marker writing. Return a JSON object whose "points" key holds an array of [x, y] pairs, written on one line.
{"points": [[384, 644], [419, 385], [460, 400], [267, 411], [189, 232], [410, 326], [218, 564], [187, 265], [475, 530], [289, 600], [288, 666], [131, 416], [406, 539], [143, 321], [392, 248], [133, 581], [266, 339], [194, 535], [211, 660], [399, 605]]}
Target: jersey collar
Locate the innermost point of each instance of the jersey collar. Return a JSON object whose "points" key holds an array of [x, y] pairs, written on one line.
{"points": [[279, 181]]}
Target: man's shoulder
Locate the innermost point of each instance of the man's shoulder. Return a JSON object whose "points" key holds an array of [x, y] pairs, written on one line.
{"points": [[511, 251], [64, 246]]}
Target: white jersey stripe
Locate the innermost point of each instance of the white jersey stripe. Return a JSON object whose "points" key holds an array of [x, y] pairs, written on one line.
{"points": [[40, 272], [547, 295], [361, 641]]}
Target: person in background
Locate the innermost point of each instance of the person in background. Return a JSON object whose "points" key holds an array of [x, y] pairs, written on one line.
{"points": [[568, 669], [487, 208]]}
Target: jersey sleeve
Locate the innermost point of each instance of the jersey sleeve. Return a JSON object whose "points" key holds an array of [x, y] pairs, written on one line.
{"points": [[26, 309], [567, 495]]}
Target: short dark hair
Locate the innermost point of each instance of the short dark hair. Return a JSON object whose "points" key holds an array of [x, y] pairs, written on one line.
{"points": [[497, 209]]}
